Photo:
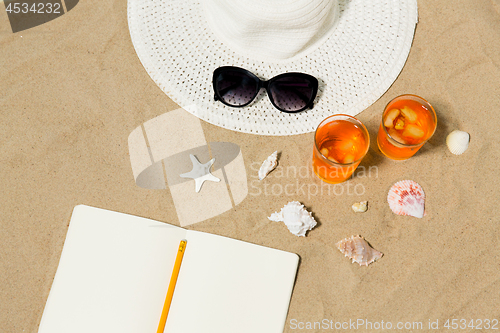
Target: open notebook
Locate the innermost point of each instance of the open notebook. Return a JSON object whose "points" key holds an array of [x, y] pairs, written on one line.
{"points": [[114, 272]]}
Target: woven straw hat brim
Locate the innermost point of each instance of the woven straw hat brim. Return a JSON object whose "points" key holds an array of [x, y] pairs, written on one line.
{"points": [[355, 65]]}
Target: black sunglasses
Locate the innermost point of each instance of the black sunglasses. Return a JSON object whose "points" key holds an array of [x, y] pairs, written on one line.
{"points": [[288, 92]]}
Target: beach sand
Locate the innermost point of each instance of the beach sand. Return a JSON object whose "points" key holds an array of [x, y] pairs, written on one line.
{"points": [[73, 89]]}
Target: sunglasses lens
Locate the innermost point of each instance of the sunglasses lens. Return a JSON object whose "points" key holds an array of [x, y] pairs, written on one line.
{"points": [[293, 93], [236, 88]]}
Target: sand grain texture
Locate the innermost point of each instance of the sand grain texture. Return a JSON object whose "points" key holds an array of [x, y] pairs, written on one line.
{"points": [[73, 89]]}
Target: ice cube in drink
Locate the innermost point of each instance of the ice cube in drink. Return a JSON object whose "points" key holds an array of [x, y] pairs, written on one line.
{"points": [[407, 123], [341, 141]]}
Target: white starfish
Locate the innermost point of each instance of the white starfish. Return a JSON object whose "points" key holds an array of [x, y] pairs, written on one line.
{"points": [[200, 172]]}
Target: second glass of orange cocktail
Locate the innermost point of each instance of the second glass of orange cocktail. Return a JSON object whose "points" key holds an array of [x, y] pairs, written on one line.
{"points": [[407, 123], [340, 143]]}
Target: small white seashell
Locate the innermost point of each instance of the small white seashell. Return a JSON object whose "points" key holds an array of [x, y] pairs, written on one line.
{"points": [[296, 217], [269, 164], [407, 197], [458, 142], [360, 207], [357, 249]]}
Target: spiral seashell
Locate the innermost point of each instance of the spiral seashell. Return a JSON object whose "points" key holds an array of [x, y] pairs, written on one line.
{"points": [[269, 164], [458, 142], [358, 250], [296, 217], [407, 197]]}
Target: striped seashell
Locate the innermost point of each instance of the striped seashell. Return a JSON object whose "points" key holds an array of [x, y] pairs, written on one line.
{"points": [[407, 197], [458, 142], [358, 249]]}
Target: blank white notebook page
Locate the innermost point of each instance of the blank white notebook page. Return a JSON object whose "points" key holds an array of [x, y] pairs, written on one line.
{"points": [[228, 286], [113, 274]]}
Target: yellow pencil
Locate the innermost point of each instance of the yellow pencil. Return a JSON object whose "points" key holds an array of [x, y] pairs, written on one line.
{"points": [[171, 286]]}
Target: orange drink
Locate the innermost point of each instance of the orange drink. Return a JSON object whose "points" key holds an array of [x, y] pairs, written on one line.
{"points": [[340, 143], [407, 123]]}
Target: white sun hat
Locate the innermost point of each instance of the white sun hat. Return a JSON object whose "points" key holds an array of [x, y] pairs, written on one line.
{"points": [[355, 48]]}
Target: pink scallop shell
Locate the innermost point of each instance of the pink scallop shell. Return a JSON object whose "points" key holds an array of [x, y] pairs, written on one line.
{"points": [[406, 197]]}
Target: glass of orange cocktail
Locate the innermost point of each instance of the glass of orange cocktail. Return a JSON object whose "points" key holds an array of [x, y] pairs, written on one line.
{"points": [[340, 143], [407, 123]]}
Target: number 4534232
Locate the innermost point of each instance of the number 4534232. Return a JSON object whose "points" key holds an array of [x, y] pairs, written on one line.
{"points": [[35, 8], [478, 324]]}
